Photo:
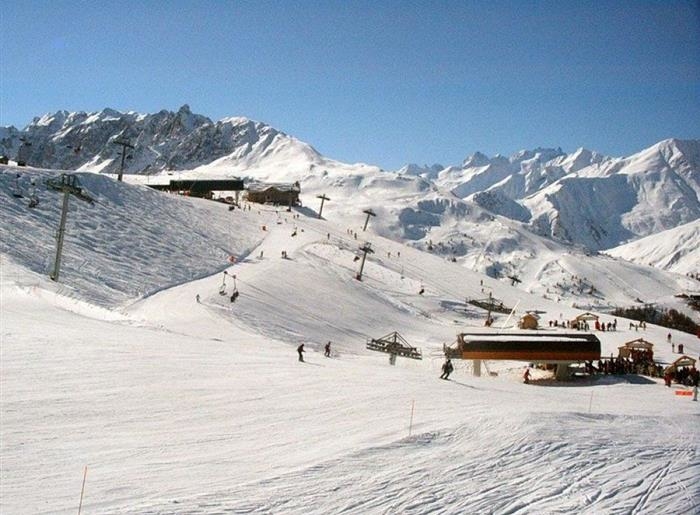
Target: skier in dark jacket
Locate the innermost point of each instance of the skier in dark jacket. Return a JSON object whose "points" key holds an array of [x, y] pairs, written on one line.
{"points": [[300, 350], [327, 352], [447, 369]]}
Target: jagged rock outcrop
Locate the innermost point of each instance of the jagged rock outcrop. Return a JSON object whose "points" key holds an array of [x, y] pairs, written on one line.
{"points": [[162, 141]]}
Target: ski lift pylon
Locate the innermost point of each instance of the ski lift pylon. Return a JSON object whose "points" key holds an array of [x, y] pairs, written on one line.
{"points": [[16, 190], [222, 288], [33, 197]]}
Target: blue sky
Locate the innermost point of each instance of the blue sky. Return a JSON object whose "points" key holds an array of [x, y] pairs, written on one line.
{"points": [[381, 82]]}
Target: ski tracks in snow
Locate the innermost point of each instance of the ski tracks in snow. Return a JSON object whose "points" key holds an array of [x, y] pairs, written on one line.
{"points": [[444, 471]]}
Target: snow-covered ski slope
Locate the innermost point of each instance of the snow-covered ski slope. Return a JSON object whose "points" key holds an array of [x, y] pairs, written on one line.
{"points": [[409, 209], [177, 406], [676, 249]]}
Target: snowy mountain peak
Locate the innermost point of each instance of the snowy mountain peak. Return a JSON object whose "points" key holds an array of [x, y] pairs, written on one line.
{"points": [[50, 120], [425, 171], [165, 140], [579, 198], [579, 159], [681, 152], [539, 154], [476, 159]]}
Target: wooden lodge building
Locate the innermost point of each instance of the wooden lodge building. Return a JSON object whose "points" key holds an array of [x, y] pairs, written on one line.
{"points": [[203, 188], [529, 321], [276, 194]]}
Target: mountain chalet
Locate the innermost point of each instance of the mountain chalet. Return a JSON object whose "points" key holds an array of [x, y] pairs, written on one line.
{"points": [[276, 194]]}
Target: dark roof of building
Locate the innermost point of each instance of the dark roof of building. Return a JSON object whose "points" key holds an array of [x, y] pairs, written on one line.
{"points": [[283, 187]]}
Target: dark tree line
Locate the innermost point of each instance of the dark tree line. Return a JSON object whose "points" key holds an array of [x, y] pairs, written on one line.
{"points": [[667, 318]]}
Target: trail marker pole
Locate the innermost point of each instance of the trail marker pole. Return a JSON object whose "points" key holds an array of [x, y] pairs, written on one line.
{"points": [[82, 490], [410, 424]]}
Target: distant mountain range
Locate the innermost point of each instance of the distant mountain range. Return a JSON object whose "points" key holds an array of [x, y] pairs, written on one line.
{"points": [[162, 141], [583, 198]]}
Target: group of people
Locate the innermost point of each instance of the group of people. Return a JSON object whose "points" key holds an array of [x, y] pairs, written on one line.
{"points": [[447, 366], [326, 351], [639, 362], [680, 348], [683, 375], [601, 326], [582, 325]]}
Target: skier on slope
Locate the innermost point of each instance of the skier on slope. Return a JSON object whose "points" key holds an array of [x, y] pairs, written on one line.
{"points": [[300, 350], [447, 369], [327, 352], [526, 376]]}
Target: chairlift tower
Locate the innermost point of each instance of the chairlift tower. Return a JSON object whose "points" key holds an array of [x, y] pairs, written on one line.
{"points": [[125, 143], [23, 152], [366, 249], [323, 198], [69, 185], [369, 213]]}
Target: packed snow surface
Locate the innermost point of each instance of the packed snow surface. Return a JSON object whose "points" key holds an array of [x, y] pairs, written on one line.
{"points": [[676, 249], [176, 405]]}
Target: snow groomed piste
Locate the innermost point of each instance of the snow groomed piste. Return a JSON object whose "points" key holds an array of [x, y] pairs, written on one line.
{"points": [[179, 406]]}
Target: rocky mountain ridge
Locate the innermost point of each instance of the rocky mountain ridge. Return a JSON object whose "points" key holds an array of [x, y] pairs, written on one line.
{"points": [[582, 198], [162, 141]]}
